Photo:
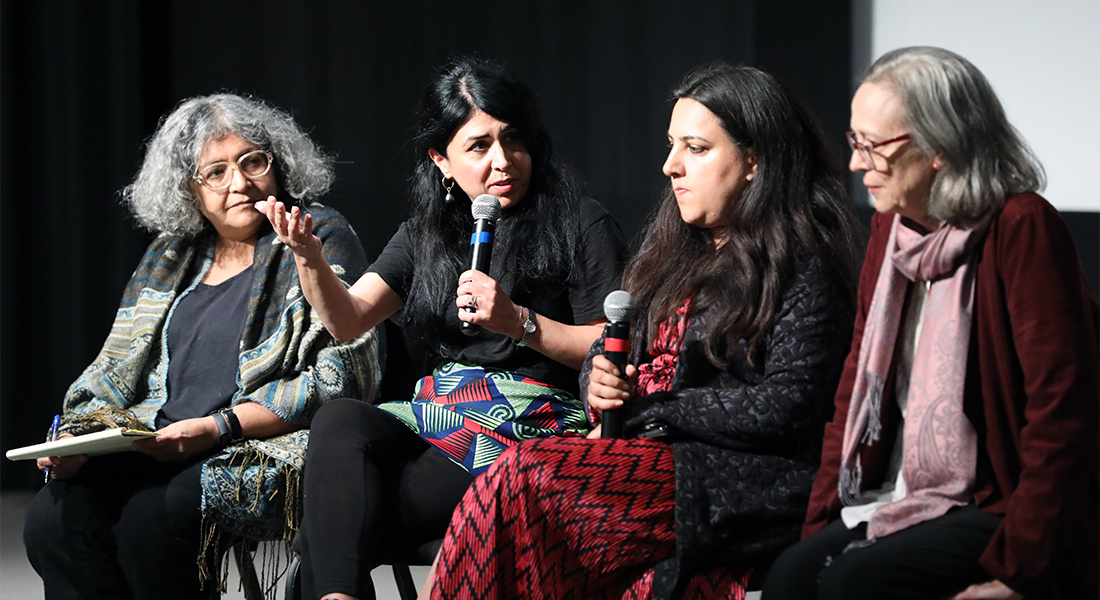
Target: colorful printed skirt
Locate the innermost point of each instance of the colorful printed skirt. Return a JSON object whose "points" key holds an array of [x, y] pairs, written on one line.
{"points": [[473, 414]]}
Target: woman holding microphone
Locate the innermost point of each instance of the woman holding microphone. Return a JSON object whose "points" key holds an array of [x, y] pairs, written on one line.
{"points": [[381, 476]]}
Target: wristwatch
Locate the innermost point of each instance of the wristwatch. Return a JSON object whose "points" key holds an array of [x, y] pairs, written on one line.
{"points": [[528, 329]]}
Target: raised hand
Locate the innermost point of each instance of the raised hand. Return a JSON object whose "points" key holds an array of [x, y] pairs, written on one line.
{"points": [[294, 228]]}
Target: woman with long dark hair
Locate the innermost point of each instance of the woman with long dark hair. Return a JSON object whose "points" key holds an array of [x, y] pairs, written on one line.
{"points": [[744, 288], [384, 476]]}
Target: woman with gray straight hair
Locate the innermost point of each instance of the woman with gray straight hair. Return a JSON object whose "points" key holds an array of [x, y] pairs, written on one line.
{"points": [[216, 350], [961, 461]]}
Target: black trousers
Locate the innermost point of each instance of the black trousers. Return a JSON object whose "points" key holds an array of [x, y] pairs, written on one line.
{"points": [[927, 561], [373, 488], [126, 526]]}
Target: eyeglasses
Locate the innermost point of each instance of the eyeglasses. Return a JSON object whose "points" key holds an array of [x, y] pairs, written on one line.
{"points": [[866, 149], [252, 165]]}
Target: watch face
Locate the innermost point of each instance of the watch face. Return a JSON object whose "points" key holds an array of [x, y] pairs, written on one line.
{"points": [[529, 327]]}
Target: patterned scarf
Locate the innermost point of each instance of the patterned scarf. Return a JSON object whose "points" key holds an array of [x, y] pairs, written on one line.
{"points": [[939, 443], [288, 363]]}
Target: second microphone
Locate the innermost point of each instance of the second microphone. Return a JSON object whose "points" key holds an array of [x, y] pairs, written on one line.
{"points": [[486, 212], [618, 307]]}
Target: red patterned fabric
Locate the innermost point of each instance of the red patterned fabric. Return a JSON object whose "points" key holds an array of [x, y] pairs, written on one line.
{"points": [[583, 519], [716, 583], [656, 375], [569, 518]]}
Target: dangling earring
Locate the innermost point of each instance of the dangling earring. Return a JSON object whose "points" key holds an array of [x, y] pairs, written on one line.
{"points": [[448, 198]]}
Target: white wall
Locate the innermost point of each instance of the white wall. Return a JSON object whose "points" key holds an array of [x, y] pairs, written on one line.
{"points": [[1043, 60]]}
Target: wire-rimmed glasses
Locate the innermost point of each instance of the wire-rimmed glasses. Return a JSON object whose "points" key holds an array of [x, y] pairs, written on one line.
{"points": [[218, 176], [867, 149]]}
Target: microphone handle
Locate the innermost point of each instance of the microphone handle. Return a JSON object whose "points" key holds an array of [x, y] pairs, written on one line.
{"points": [[481, 254], [617, 350]]}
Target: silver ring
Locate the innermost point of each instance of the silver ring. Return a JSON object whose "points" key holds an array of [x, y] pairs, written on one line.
{"points": [[473, 302]]}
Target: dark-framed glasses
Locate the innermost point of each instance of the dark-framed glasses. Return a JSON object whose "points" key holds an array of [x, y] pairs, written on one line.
{"points": [[867, 149], [217, 176]]}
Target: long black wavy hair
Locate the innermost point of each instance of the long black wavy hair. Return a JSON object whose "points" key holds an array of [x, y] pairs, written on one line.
{"points": [[795, 207], [536, 238]]}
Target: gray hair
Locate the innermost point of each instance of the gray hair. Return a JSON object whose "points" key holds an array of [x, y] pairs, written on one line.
{"points": [[162, 196], [952, 112]]}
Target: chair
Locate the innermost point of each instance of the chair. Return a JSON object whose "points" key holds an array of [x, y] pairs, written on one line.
{"points": [[250, 581], [402, 576], [422, 556]]}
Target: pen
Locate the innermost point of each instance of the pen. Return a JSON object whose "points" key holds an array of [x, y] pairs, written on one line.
{"points": [[53, 436]]}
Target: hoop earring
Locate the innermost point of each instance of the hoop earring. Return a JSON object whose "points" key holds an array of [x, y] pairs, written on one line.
{"points": [[448, 198]]}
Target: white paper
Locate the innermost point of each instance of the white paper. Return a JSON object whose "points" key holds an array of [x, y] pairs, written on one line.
{"points": [[107, 441]]}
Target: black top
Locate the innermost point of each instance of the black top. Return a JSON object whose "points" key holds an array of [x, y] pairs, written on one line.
{"points": [[597, 272], [204, 338]]}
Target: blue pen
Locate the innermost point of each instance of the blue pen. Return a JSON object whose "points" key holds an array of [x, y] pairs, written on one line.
{"points": [[53, 436]]}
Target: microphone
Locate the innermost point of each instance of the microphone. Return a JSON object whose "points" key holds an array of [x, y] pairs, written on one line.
{"points": [[486, 211], [618, 307]]}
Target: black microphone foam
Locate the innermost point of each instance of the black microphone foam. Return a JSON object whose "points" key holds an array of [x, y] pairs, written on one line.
{"points": [[486, 211], [618, 307]]}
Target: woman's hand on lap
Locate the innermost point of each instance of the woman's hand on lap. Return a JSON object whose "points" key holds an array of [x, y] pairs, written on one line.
{"points": [[62, 467], [294, 229], [596, 433], [180, 440], [990, 590]]}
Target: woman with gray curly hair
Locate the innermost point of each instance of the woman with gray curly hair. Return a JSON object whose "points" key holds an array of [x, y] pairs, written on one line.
{"points": [[961, 459], [216, 350]]}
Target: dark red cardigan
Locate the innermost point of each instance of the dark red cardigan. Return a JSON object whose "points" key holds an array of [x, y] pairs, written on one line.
{"points": [[1032, 392]]}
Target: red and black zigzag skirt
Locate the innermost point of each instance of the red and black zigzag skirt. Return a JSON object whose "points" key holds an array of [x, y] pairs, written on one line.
{"points": [[570, 518]]}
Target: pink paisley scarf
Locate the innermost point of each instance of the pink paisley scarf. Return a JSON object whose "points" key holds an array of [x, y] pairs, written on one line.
{"points": [[939, 443]]}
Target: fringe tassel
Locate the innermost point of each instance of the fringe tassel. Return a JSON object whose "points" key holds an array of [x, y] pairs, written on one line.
{"points": [[873, 399], [109, 417], [850, 482], [270, 558], [274, 558], [211, 538]]}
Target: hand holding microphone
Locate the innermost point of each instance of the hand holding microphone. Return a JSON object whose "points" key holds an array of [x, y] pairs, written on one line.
{"points": [[618, 307], [486, 211]]}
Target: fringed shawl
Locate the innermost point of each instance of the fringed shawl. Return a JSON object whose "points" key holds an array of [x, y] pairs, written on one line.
{"points": [[288, 363]]}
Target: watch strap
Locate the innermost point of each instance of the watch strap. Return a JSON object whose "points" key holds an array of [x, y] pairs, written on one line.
{"points": [[225, 433], [528, 329], [229, 427], [234, 424]]}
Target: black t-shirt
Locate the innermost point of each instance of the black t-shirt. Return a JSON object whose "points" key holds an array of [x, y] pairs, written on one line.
{"points": [[597, 272], [204, 339]]}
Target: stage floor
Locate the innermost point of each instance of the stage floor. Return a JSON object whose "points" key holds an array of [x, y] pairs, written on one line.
{"points": [[18, 581]]}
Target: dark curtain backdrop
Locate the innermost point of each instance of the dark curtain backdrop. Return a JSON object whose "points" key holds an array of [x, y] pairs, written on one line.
{"points": [[83, 84]]}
